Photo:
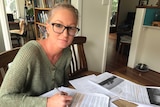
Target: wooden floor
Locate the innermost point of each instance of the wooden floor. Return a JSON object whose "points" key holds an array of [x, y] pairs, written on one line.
{"points": [[114, 59], [117, 64]]}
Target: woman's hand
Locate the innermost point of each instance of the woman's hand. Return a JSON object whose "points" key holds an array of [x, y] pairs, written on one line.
{"points": [[59, 100]]}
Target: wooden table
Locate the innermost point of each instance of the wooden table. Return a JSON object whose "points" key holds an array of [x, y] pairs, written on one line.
{"points": [[13, 25], [84, 73], [150, 78]]}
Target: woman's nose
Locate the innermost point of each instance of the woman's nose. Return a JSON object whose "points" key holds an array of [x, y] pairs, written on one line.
{"points": [[65, 32]]}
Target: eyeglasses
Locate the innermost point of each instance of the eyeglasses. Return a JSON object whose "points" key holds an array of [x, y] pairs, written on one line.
{"points": [[59, 28]]}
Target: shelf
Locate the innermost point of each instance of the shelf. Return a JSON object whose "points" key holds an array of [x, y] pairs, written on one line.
{"points": [[42, 9], [42, 24], [152, 27], [154, 7]]}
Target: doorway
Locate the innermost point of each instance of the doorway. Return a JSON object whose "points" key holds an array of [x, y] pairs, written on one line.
{"points": [[115, 60]]}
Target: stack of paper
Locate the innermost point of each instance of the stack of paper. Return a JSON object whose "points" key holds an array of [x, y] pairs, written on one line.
{"points": [[83, 99], [118, 88]]}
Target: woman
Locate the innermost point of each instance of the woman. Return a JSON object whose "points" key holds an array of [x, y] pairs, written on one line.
{"points": [[41, 65]]}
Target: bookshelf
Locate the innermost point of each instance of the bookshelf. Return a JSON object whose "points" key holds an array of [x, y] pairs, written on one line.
{"points": [[41, 8]]}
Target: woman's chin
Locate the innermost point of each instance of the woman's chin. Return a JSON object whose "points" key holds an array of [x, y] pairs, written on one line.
{"points": [[62, 46]]}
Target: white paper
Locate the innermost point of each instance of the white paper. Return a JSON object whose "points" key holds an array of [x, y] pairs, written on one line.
{"points": [[125, 89], [83, 99], [84, 84], [121, 89]]}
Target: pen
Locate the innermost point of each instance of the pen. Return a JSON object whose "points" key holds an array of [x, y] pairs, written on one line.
{"points": [[57, 90], [61, 93]]}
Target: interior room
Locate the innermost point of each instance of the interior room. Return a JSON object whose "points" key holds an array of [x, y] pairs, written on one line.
{"points": [[122, 21], [119, 37], [129, 11], [21, 22], [123, 13]]}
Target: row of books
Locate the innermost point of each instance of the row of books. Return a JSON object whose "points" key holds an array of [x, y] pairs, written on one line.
{"points": [[42, 32], [42, 16], [48, 3]]}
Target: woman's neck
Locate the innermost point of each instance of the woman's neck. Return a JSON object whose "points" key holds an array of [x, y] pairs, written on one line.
{"points": [[53, 53]]}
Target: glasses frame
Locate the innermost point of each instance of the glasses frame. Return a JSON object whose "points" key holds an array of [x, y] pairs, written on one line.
{"points": [[65, 27]]}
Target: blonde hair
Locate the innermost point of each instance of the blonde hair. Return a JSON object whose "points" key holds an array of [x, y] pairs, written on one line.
{"points": [[65, 6]]}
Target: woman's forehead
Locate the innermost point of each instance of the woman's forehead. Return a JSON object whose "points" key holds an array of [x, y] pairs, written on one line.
{"points": [[63, 14]]}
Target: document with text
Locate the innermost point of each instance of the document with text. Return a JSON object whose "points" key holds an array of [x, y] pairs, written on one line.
{"points": [[128, 90], [81, 99]]}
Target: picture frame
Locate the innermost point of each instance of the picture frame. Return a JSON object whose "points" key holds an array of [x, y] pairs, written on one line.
{"points": [[143, 2]]}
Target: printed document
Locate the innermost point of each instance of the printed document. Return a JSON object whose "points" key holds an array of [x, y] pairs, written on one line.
{"points": [[81, 99], [128, 90]]}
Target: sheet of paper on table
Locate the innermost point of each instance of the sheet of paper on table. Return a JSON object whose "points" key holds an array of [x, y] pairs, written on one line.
{"points": [[115, 87], [81, 99], [83, 84]]}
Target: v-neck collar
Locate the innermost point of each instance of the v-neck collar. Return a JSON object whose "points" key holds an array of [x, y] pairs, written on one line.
{"points": [[46, 57]]}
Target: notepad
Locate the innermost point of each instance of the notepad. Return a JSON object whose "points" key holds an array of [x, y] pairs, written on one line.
{"points": [[81, 99]]}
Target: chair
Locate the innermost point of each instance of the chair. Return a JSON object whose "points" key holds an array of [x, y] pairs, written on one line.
{"points": [[5, 58], [10, 17], [124, 42], [126, 28], [79, 65], [18, 34]]}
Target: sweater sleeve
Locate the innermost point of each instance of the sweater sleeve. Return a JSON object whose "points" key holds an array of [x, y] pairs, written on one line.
{"points": [[12, 89]]}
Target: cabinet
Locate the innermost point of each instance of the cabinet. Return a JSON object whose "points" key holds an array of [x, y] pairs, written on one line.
{"points": [[152, 14], [41, 8], [151, 17]]}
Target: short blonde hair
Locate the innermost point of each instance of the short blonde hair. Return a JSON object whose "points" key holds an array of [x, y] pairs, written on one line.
{"points": [[63, 5]]}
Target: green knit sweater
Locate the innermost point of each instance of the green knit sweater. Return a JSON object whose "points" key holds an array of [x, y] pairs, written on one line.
{"points": [[32, 74]]}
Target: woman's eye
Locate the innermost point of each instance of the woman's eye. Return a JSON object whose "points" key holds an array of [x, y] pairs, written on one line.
{"points": [[72, 28], [59, 25]]}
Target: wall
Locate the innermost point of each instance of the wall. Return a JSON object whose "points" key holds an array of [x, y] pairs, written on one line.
{"points": [[4, 34], [150, 53], [95, 26], [152, 2], [21, 4], [1, 39], [145, 44], [78, 4], [125, 7]]}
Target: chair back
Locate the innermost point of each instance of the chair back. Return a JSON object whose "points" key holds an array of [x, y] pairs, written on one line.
{"points": [[79, 62], [10, 17], [6, 58], [21, 26]]}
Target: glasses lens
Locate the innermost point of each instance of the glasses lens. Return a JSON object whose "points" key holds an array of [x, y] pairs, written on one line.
{"points": [[58, 28], [72, 31]]}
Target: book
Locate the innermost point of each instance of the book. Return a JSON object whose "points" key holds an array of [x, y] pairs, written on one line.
{"points": [[81, 99], [42, 31]]}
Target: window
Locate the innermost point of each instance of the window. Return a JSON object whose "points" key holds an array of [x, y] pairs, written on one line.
{"points": [[114, 12], [114, 5], [11, 7]]}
